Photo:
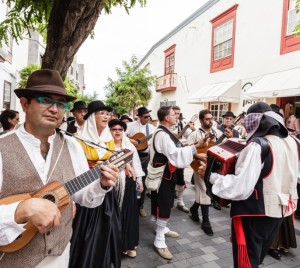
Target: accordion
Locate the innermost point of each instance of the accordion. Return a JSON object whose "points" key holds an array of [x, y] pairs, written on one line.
{"points": [[221, 159]]}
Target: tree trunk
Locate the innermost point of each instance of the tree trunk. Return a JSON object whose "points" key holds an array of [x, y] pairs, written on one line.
{"points": [[70, 23]]}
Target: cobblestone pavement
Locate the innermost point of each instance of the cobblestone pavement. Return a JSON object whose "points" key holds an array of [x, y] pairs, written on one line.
{"points": [[193, 248]]}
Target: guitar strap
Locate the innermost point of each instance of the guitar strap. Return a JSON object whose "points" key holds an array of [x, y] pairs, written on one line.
{"points": [[147, 129], [173, 138], [60, 151]]}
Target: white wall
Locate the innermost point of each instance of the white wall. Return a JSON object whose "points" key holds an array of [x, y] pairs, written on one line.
{"points": [[257, 52]]}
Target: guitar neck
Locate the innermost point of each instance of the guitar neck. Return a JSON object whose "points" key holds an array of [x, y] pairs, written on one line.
{"points": [[220, 139], [118, 159], [182, 131], [75, 185]]}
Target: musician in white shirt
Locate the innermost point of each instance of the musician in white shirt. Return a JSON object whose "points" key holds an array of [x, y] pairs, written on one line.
{"points": [[167, 150], [263, 187], [36, 149], [201, 198], [180, 183], [143, 126]]}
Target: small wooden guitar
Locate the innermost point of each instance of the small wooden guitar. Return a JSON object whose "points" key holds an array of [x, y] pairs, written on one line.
{"points": [[193, 120], [142, 140], [196, 164], [60, 194]]}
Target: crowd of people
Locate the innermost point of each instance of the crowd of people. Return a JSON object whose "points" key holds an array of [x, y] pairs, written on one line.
{"points": [[98, 221]]}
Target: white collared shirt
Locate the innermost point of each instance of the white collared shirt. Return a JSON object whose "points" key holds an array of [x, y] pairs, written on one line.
{"points": [[137, 127], [90, 196]]}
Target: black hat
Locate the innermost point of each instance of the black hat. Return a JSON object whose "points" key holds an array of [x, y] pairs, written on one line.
{"points": [[181, 116], [275, 108], [96, 106], [125, 116], [142, 110], [44, 82], [268, 121], [79, 105], [115, 122], [228, 113]]}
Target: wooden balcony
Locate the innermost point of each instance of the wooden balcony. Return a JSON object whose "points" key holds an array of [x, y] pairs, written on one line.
{"points": [[166, 82]]}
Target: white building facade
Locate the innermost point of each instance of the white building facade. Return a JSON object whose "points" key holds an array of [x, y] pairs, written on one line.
{"points": [[226, 55]]}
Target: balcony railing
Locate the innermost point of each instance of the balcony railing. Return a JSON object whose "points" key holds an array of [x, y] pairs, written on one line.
{"points": [[166, 82]]}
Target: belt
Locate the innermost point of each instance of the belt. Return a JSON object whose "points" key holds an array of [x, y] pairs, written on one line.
{"points": [[141, 154]]}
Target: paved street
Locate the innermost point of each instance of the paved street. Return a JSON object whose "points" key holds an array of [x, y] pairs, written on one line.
{"points": [[193, 248]]}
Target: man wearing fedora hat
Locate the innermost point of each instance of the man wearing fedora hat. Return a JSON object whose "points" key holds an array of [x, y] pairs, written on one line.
{"points": [[180, 182], [125, 118], [226, 126], [41, 155], [261, 190], [79, 110], [141, 126]]}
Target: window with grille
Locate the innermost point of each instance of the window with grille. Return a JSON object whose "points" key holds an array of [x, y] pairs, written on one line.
{"points": [[290, 18], [6, 95], [170, 60], [218, 109], [223, 40]]}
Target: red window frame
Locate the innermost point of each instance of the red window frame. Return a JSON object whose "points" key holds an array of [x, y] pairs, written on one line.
{"points": [[226, 62], [289, 43], [169, 53]]}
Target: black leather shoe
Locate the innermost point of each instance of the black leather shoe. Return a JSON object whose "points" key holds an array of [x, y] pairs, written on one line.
{"points": [[275, 254], [206, 227]]}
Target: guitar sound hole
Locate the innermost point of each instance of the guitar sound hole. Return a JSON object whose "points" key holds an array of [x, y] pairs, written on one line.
{"points": [[49, 197]]}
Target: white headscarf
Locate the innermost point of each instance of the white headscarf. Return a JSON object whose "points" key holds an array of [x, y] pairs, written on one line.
{"points": [[90, 133]]}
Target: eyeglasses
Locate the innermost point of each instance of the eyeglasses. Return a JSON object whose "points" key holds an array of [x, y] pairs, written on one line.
{"points": [[116, 129], [102, 113], [47, 102], [146, 116]]}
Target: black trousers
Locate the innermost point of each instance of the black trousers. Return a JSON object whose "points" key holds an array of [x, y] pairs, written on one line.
{"points": [[259, 233], [180, 177], [163, 200]]}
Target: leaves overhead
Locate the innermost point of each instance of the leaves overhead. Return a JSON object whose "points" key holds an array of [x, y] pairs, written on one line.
{"points": [[25, 15]]}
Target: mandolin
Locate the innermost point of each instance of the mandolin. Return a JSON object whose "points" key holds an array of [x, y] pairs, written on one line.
{"points": [[142, 140], [195, 163], [59, 193]]}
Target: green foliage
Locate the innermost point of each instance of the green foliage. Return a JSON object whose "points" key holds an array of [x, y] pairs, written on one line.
{"points": [[131, 89], [70, 87], [25, 72], [88, 97], [25, 15], [127, 4]]}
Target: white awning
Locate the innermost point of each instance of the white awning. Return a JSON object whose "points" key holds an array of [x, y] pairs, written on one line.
{"points": [[281, 84], [221, 92]]}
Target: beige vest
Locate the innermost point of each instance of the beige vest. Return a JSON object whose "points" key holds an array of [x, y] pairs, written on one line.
{"points": [[20, 176], [280, 186]]}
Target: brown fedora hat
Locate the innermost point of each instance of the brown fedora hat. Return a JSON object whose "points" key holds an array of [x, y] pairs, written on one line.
{"points": [[45, 82]]}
